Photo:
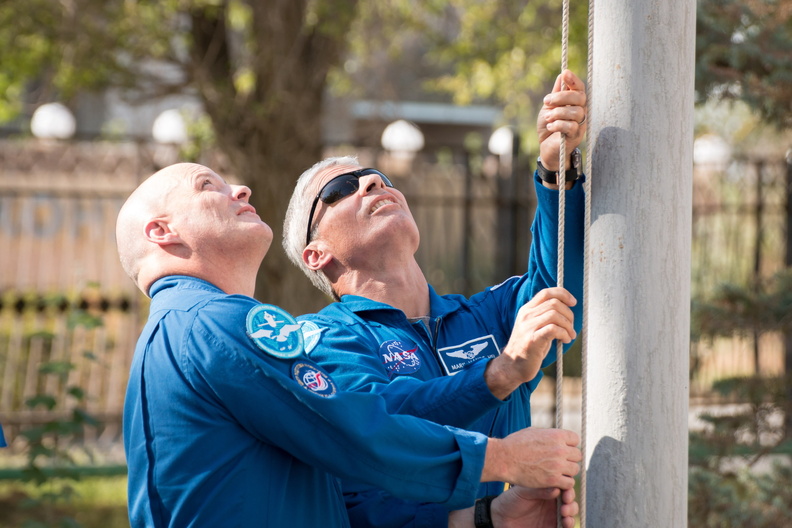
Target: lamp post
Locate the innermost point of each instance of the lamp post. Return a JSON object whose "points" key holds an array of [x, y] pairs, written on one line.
{"points": [[53, 121], [505, 144], [401, 140], [788, 262], [169, 127], [500, 142], [169, 131], [712, 152]]}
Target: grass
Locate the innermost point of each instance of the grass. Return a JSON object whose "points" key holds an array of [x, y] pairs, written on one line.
{"points": [[90, 502]]}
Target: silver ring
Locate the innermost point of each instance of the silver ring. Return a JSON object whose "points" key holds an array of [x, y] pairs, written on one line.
{"points": [[584, 120]]}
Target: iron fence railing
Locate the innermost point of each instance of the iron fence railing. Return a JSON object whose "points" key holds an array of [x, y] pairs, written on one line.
{"points": [[741, 236]]}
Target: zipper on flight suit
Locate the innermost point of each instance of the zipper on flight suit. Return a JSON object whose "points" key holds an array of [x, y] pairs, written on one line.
{"points": [[438, 322], [432, 334]]}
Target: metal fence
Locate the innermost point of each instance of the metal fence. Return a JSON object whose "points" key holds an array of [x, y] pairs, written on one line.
{"points": [[68, 314], [56, 352], [741, 236], [59, 273]]}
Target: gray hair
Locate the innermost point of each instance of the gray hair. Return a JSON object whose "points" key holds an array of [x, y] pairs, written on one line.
{"points": [[296, 223]]}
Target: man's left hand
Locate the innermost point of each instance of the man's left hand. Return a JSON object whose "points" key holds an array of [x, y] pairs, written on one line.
{"points": [[563, 112]]}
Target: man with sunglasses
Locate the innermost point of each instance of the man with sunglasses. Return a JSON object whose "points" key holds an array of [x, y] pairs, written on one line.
{"points": [[228, 423], [351, 231]]}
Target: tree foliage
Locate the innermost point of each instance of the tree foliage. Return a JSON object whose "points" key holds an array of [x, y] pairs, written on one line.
{"points": [[744, 52], [505, 53], [258, 68], [759, 500], [727, 484], [742, 310], [261, 69]]}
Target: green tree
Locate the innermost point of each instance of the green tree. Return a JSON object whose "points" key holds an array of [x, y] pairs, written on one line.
{"points": [[726, 488], [503, 53], [749, 310], [744, 52], [261, 69]]}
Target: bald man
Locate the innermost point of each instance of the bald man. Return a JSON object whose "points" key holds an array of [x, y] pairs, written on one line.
{"points": [[228, 423]]}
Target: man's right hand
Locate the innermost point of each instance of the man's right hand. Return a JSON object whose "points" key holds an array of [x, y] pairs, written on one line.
{"points": [[521, 507], [546, 317], [534, 458], [537, 508]]}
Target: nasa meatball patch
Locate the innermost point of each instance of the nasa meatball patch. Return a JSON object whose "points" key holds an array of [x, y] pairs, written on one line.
{"points": [[399, 357]]}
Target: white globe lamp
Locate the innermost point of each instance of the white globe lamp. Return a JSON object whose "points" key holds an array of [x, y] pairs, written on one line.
{"points": [[53, 121], [169, 127], [402, 139], [500, 142]]}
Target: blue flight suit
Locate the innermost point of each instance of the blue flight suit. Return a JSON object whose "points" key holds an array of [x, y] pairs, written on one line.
{"points": [[219, 433], [2, 437], [437, 372]]}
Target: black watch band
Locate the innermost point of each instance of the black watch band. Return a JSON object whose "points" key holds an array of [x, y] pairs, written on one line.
{"points": [[571, 175], [482, 514]]}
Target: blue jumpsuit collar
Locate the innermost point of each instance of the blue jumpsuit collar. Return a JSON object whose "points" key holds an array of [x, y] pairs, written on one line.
{"points": [[181, 282]]}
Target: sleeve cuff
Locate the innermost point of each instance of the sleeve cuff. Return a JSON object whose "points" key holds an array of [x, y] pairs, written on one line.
{"points": [[472, 447]]}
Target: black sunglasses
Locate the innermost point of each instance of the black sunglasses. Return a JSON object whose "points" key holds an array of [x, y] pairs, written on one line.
{"points": [[340, 187]]}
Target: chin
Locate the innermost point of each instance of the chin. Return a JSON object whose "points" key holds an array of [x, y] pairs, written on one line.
{"points": [[261, 237]]}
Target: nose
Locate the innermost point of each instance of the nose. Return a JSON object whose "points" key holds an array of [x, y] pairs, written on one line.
{"points": [[370, 183], [241, 192]]}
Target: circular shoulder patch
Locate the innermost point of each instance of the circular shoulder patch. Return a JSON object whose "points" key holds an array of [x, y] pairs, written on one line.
{"points": [[310, 376], [311, 332], [274, 331]]}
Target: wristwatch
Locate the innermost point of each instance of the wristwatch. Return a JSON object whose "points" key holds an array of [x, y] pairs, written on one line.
{"points": [[571, 175], [482, 516]]}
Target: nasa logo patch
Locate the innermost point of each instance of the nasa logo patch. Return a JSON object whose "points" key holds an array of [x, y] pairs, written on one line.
{"points": [[313, 378], [274, 331], [399, 358]]}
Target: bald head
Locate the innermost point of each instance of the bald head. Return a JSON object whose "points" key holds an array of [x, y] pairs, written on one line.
{"points": [[145, 202], [186, 220]]}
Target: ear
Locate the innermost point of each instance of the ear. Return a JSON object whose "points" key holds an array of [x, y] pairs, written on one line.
{"points": [[316, 257], [160, 232]]}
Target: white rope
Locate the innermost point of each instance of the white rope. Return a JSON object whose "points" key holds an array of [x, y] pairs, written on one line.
{"points": [[561, 216], [561, 180], [562, 158]]}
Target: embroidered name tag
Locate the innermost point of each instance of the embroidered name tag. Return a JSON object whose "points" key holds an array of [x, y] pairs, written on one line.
{"points": [[457, 357]]}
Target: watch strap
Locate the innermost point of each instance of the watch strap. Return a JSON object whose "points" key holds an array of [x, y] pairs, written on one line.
{"points": [[571, 175], [482, 513]]}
